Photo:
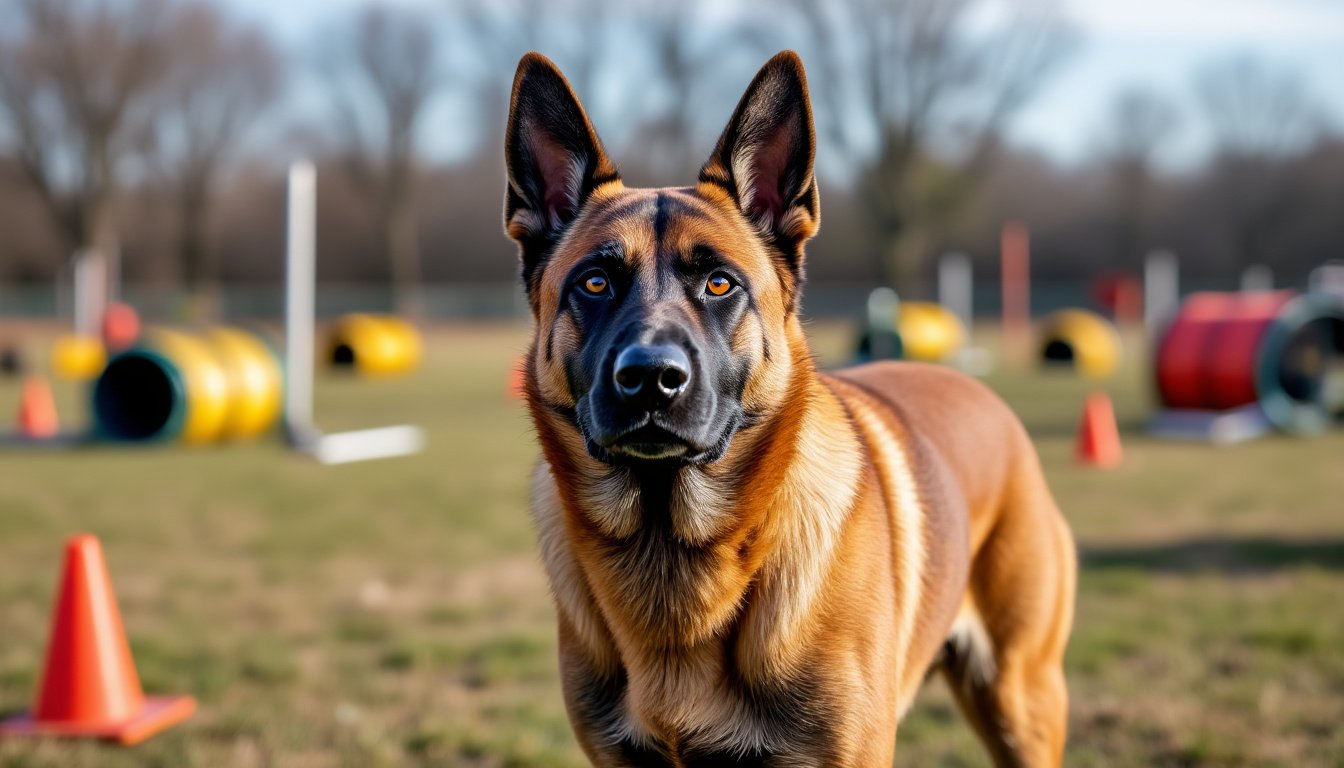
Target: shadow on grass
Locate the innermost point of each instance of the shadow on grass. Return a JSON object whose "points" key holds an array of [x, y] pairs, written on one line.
{"points": [[1243, 555]]}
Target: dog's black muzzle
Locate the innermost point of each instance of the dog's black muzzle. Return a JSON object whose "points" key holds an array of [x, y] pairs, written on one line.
{"points": [[652, 400]]}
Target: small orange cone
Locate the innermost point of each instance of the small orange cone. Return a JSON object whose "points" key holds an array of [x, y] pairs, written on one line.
{"points": [[90, 687], [517, 386], [37, 410], [1098, 437]]}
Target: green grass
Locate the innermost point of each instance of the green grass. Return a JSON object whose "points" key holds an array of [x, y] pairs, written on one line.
{"points": [[394, 613]]}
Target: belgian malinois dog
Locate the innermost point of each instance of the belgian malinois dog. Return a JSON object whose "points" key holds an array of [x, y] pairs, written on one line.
{"points": [[754, 562]]}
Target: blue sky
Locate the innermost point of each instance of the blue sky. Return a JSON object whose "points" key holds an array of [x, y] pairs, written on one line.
{"points": [[1158, 44]]}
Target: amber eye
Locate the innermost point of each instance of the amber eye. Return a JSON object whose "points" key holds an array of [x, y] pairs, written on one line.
{"points": [[718, 284], [596, 283]]}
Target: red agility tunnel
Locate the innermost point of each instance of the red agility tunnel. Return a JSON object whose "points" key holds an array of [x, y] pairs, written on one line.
{"points": [[1279, 349]]}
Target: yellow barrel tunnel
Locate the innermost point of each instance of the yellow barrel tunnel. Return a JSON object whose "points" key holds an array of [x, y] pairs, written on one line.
{"points": [[929, 332], [1084, 340], [374, 345], [223, 384]]}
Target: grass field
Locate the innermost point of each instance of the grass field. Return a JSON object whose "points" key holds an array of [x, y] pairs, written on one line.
{"points": [[394, 613]]}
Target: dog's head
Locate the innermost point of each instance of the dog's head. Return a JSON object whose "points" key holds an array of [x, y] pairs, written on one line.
{"points": [[665, 318]]}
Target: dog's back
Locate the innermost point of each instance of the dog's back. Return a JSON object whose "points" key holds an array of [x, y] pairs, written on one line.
{"points": [[977, 468]]}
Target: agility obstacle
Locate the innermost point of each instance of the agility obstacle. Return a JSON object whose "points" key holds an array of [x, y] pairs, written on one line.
{"points": [[1083, 340], [929, 332], [224, 384], [1277, 356], [89, 685], [301, 431], [374, 345]]}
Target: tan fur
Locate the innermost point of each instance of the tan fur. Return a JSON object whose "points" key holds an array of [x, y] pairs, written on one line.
{"points": [[864, 526]]}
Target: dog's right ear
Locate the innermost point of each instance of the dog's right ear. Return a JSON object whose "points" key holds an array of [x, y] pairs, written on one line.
{"points": [[554, 159]]}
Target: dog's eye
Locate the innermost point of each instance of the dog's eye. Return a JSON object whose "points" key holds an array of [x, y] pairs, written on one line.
{"points": [[718, 284], [596, 283]]}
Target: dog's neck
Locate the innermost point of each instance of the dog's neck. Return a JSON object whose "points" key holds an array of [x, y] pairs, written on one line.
{"points": [[684, 553]]}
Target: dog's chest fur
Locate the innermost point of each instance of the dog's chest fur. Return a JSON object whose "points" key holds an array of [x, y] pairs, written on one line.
{"points": [[700, 591]]}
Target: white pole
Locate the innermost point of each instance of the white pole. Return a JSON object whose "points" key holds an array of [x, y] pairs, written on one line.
{"points": [[955, 287], [883, 310], [1161, 290], [90, 291], [300, 311], [1257, 277], [300, 279]]}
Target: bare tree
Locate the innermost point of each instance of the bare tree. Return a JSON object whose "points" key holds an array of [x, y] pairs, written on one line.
{"points": [[75, 76], [684, 57], [581, 36], [381, 90], [223, 76], [914, 100], [1262, 117], [1139, 120]]}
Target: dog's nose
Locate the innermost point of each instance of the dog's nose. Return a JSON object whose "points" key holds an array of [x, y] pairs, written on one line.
{"points": [[652, 373]]}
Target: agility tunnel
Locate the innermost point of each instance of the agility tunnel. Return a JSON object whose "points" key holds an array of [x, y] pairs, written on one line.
{"points": [[1281, 350], [374, 345], [223, 384], [929, 332], [921, 330], [1084, 340]]}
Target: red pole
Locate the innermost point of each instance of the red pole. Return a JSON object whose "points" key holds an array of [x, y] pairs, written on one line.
{"points": [[1015, 255]]}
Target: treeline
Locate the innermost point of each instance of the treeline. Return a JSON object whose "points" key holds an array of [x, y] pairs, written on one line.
{"points": [[160, 129]]}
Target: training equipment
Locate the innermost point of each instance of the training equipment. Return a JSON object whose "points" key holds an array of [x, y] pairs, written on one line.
{"points": [[517, 386], [1257, 278], [120, 326], [1327, 278], [1161, 291], [77, 357], [879, 339], [89, 686], [956, 287], [1085, 340], [37, 410], [374, 345], [1278, 352], [224, 384], [300, 286], [929, 332], [1098, 438]]}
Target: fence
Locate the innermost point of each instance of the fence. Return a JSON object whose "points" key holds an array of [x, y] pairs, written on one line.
{"points": [[495, 301]]}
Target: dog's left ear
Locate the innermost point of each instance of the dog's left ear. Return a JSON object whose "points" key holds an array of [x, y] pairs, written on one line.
{"points": [[553, 157], [764, 158]]}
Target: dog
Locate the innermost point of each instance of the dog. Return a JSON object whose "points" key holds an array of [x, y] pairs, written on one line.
{"points": [[754, 562]]}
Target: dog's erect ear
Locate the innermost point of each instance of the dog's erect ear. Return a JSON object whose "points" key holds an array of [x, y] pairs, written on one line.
{"points": [[764, 157], [554, 160]]}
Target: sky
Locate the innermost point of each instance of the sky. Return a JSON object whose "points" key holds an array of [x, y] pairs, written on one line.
{"points": [[1156, 44]]}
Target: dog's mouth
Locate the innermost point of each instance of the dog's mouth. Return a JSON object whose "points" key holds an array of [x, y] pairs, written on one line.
{"points": [[650, 442]]}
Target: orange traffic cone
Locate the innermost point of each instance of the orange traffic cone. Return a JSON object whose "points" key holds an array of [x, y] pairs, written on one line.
{"points": [[37, 410], [90, 687], [517, 386], [1098, 438]]}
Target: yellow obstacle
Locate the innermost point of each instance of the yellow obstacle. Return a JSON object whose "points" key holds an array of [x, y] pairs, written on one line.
{"points": [[256, 385], [375, 345], [1083, 339], [222, 385], [76, 357], [929, 332]]}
